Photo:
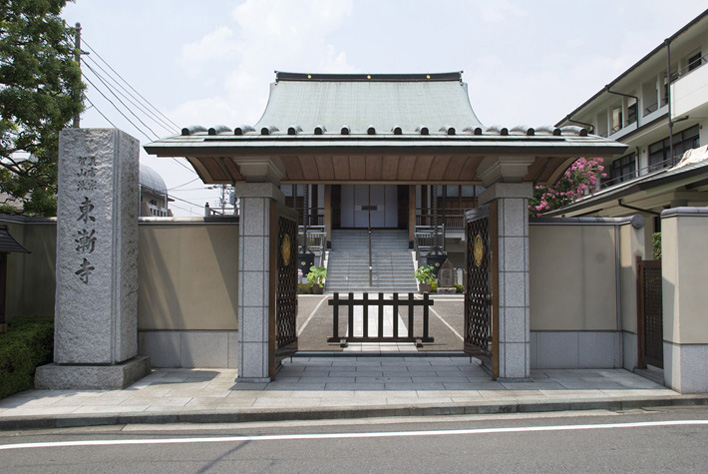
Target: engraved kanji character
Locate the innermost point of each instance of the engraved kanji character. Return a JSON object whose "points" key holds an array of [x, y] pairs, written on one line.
{"points": [[86, 207], [85, 271], [86, 241]]}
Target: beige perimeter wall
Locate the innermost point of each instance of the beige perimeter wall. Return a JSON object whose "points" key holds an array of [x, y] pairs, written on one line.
{"points": [[31, 278], [572, 270], [188, 275], [685, 278], [188, 278]]}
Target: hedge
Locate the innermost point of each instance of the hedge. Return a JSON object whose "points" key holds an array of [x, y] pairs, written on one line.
{"points": [[28, 343]]}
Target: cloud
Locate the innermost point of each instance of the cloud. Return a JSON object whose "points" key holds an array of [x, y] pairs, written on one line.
{"points": [[261, 37], [218, 44], [498, 10]]}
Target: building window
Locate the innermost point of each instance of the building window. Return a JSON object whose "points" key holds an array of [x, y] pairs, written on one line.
{"points": [[695, 61], [616, 120], [683, 141], [632, 112], [622, 169]]}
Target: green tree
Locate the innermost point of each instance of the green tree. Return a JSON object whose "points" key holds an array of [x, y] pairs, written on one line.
{"points": [[40, 92]]}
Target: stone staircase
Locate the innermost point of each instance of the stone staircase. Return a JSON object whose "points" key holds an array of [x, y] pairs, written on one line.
{"points": [[348, 264]]}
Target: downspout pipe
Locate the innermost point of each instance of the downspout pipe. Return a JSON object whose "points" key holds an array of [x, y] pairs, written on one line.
{"points": [[618, 296], [622, 94], [667, 41], [627, 206], [607, 89], [592, 127]]}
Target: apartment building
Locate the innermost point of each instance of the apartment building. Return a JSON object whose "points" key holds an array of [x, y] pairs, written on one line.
{"points": [[665, 94]]}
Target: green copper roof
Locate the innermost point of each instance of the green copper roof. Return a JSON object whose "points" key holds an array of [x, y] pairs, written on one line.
{"points": [[361, 101]]}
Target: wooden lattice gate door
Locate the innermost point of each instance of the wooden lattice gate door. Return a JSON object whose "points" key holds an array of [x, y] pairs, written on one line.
{"points": [[286, 288], [650, 322], [481, 294]]}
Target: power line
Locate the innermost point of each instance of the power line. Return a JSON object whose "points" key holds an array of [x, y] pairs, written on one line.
{"points": [[116, 107], [128, 84], [184, 200], [184, 184], [99, 111], [132, 99], [143, 110], [184, 166], [110, 89]]}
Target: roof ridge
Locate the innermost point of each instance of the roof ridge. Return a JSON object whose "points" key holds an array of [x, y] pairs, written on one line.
{"points": [[326, 77]]}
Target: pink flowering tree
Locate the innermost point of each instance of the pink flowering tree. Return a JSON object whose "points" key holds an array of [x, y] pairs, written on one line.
{"points": [[578, 180]]}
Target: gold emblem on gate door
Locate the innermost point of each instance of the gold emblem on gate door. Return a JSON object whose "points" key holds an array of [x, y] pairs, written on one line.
{"points": [[478, 250], [286, 250]]}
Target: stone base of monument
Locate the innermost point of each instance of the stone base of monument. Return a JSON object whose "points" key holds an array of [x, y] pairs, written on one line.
{"points": [[447, 291], [91, 377]]}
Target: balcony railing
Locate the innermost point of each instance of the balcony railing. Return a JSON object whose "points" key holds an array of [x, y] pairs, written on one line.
{"points": [[428, 239], [454, 218], [316, 242]]}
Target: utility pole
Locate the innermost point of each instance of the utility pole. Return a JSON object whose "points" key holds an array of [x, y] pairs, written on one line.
{"points": [[77, 58]]}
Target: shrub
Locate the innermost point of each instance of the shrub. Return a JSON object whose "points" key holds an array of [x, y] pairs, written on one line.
{"points": [[425, 274], [578, 180], [28, 343], [434, 287], [656, 243], [304, 288], [459, 288], [317, 275]]}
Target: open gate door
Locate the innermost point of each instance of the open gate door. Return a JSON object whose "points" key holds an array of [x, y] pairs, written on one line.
{"points": [[481, 294], [283, 287]]}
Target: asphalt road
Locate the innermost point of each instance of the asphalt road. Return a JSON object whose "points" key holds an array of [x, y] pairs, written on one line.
{"points": [[660, 440]]}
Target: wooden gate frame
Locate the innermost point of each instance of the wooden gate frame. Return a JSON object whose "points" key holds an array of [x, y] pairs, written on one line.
{"points": [[642, 359], [278, 253], [490, 356]]}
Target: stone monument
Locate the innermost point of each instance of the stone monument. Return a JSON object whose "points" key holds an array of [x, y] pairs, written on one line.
{"points": [[446, 278], [96, 314]]}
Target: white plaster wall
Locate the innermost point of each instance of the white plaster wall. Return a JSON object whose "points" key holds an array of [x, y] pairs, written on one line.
{"points": [[685, 276], [689, 92], [572, 271]]}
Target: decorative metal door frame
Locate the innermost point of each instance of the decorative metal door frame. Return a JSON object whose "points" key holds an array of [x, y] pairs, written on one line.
{"points": [[650, 326], [283, 285], [482, 286]]}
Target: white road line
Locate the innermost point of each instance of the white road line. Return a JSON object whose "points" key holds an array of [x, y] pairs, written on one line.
{"points": [[447, 324], [312, 314], [383, 434]]}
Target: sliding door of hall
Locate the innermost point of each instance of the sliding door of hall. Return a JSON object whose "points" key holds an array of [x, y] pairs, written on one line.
{"points": [[360, 200]]}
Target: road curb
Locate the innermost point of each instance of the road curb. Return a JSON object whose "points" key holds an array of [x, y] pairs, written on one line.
{"points": [[9, 423]]}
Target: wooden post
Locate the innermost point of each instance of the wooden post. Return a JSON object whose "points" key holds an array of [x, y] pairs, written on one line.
{"points": [[3, 281], [335, 316], [411, 309], [411, 215], [328, 215], [350, 321], [272, 288], [395, 315], [641, 355], [381, 315]]}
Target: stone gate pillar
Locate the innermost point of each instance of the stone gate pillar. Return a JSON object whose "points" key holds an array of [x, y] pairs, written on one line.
{"points": [[96, 316], [502, 177], [258, 229], [684, 271], [259, 195]]}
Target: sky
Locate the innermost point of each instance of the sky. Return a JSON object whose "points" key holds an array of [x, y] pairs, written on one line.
{"points": [[211, 62]]}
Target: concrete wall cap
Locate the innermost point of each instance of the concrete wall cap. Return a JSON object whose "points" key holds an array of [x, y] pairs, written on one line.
{"points": [[188, 220], [685, 211], [636, 220]]}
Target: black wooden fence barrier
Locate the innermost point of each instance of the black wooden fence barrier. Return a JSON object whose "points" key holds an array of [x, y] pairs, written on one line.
{"points": [[380, 303]]}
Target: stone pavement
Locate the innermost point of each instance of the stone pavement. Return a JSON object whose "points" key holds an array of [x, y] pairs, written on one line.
{"points": [[336, 386]]}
